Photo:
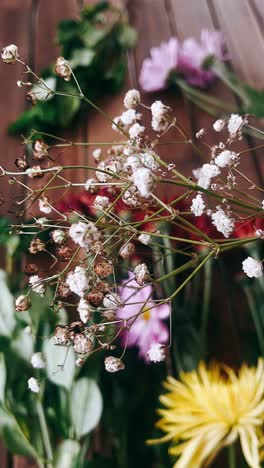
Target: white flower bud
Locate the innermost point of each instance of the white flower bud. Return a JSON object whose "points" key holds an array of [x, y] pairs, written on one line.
{"points": [[33, 385], [37, 361], [44, 205], [82, 344], [141, 273], [132, 99], [252, 267], [127, 250], [59, 236], [101, 202], [112, 301], [113, 364], [219, 125], [144, 239], [84, 310], [10, 53], [37, 285], [63, 69], [157, 352], [22, 303]]}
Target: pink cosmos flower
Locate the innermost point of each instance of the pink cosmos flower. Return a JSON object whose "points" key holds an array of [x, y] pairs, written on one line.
{"points": [[156, 69], [194, 53], [149, 327]]}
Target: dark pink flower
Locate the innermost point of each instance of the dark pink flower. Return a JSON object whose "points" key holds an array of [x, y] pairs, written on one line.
{"points": [[156, 69]]}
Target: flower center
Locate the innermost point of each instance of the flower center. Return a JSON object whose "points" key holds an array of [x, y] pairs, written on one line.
{"points": [[146, 314]]}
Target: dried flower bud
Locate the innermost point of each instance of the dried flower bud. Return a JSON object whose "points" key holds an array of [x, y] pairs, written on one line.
{"points": [[61, 335], [44, 205], [21, 163], [31, 97], [76, 328], [35, 172], [141, 274], [109, 315], [40, 149], [63, 290], [36, 246], [63, 69], [103, 269], [10, 53], [95, 298], [84, 310], [31, 269], [82, 344], [22, 303], [113, 364], [103, 287], [64, 253], [97, 247], [127, 250], [79, 362], [59, 236]]}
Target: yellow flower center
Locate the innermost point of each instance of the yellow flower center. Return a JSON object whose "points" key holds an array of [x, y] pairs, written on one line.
{"points": [[146, 314]]}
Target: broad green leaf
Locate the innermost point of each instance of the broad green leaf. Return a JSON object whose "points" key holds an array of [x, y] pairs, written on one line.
{"points": [[12, 244], [82, 58], [60, 363], [23, 344], [67, 454], [86, 406], [2, 377], [7, 309], [12, 435]]}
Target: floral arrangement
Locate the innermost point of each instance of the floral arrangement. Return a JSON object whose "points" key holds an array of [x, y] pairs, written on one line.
{"points": [[123, 258], [192, 65], [95, 46]]}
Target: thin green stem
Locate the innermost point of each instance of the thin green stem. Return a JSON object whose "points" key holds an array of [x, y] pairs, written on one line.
{"points": [[206, 303], [45, 434], [231, 456]]}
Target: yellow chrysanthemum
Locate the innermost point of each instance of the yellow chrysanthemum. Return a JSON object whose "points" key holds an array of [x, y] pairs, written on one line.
{"points": [[211, 408]]}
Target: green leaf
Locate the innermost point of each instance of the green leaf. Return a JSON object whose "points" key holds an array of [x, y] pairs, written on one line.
{"points": [[67, 106], [86, 406], [7, 309], [67, 454], [23, 344], [4, 230], [2, 377], [12, 435], [82, 58], [128, 37], [60, 363]]}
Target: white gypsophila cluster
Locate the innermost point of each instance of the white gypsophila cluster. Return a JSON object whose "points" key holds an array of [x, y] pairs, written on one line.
{"points": [[37, 285], [133, 161], [90, 185], [84, 234], [44, 205], [149, 161], [112, 301], [97, 153], [225, 158], [144, 181], [157, 352], [136, 130], [144, 238], [33, 385], [37, 361], [10, 53], [252, 268], [141, 273], [77, 281], [235, 124], [101, 202], [113, 364], [223, 222], [129, 117], [84, 310], [132, 99], [202, 180], [219, 125], [198, 206], [159, 113], [210, 170], [131, 196]]}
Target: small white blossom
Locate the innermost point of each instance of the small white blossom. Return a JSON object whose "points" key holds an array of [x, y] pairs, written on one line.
{"points": [[219, 125], [77, 281], [144, 181], [259, 233], [149, 161], [102, 176], [144, 239], [136, 130], [112, 301], [97, 153], [63, 68], [84, 234], [202, 180], [82, 344], [127, 250], [223, 223], [198, 205], [42, 92], [58, 236], [33, 385], [159, 124], [158, 109], [101, 202], [141, 273], [252, 267], [10, 53], [89, 185], [157, 352], [34, 171], [129, 117], [133, 161], [22, 303], [132, 99], [225, 158], [37, 361], [44, 205], [113, 364], [37, 285], [235, 124], [84, 310], [210, 170]]}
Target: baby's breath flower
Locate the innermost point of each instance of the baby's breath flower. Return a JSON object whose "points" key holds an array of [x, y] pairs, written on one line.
{"points": [[10, 53], [210, 170], [225, 158], [132, 99], [144, 181], [101, 202], [84, 234], [158, 109], [136, 130], [22, 303], [113, 364], [40, 149], [37, 285], [252, 267], [44, 205], [157, 352], [77, 281], [59, 236], [149, 161], [198, 205], [33, 385], [82, 344], [223, 222], [144, 239], [112, 301], [141, 273], [61, 335], [84, 310], [129, 117], [63, 69], [34, 172], [219, 125], [90, 185], [235, 124], [127, 250], [37, 361], [97, 153]]}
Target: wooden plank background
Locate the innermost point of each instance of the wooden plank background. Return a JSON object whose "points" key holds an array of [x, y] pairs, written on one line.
{"points": [[31, 25]]}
